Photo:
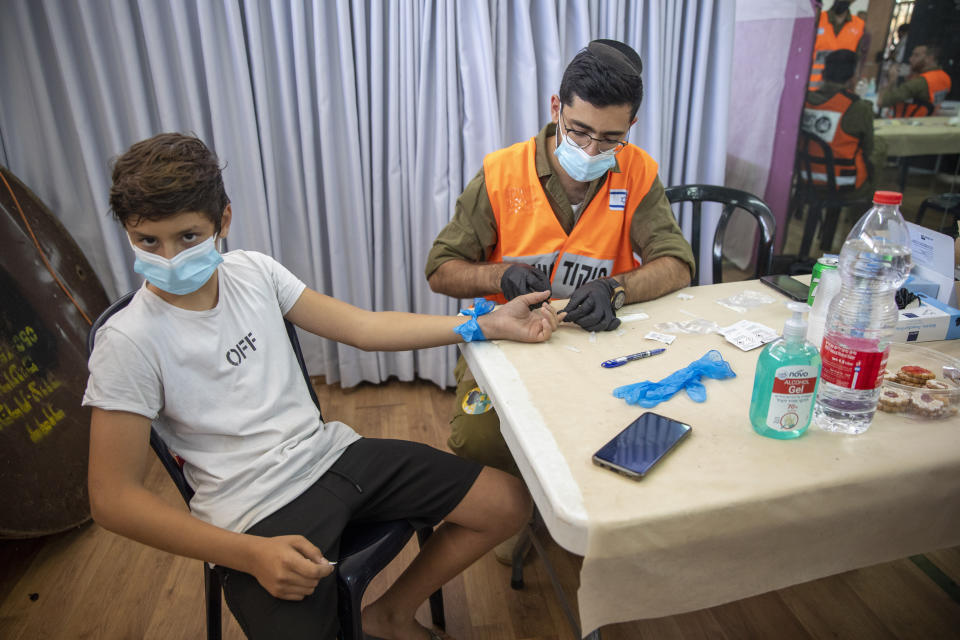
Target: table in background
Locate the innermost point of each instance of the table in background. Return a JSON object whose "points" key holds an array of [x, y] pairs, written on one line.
{"points": [[907, 137], [729, 514]]}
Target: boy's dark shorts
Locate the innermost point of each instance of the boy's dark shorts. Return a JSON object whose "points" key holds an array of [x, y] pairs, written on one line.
{"points": [[374, 480]]}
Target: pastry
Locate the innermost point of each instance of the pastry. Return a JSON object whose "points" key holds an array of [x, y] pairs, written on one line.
{"points": [[915, 374], [910, 382], [947, 411], [926, 404], [893, 400]]}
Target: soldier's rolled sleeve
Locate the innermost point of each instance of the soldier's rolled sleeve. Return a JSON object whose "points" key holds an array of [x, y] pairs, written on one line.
{"points": [[471, 234], [654, 232], [912, 88]]}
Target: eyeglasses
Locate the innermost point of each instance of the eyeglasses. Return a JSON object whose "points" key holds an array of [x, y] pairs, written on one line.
{"points": [[582, 139]]}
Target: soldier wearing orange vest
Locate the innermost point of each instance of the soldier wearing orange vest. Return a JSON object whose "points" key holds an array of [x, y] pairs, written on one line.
{"points": [[838, 117], [567, 210], [923, 92], [836, 30]]}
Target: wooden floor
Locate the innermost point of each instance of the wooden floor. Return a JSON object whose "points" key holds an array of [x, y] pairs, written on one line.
{"points": [[89, 583]]}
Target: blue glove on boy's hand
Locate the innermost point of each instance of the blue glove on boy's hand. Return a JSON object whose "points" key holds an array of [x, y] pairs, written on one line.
{"points": [[650, 394]]}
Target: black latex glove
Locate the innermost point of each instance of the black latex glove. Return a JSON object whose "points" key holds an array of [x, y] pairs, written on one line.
{"points": [[904, 297], [591, 308], [521, 278]]}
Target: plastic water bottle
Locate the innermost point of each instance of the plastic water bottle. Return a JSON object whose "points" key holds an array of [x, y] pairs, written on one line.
{"points": [[828, 288], [874, 263]]}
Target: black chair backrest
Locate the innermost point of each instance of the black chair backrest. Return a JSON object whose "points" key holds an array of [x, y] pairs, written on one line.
{"points": [[812, 150], [732, 199], [170, 463]]}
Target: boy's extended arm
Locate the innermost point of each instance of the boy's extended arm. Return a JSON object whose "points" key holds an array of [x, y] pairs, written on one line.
{"points": [[289, 567], [398, 331]]}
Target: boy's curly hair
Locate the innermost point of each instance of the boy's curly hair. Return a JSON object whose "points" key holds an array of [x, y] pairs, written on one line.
{"points": [[167, 174]]}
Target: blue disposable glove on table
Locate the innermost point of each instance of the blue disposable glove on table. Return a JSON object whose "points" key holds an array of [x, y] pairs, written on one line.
{"points": [[650, 394]]}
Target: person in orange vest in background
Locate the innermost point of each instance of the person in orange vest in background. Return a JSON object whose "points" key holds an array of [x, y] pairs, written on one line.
{"points": [[923, 92], [837, 116], [895, 58], [837, 29], [566, 210]]}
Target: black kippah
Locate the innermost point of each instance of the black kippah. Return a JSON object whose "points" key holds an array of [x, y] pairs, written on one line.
{"points": [[618, 55]]}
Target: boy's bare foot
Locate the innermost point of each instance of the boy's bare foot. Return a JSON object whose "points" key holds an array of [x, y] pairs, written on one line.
{"points": [[381, 625]]}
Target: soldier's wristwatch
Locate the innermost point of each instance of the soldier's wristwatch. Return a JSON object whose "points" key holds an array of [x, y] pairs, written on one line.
{"points": [[619, 296]]}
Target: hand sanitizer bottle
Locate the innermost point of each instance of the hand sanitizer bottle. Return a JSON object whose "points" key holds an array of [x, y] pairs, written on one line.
{"points": [[785, 384]]}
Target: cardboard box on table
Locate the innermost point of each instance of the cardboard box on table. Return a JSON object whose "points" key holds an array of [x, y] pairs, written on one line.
{"points": [[931, 279], [932, 320]]}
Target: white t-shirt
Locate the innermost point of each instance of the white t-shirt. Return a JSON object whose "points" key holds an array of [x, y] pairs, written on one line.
{"points": [[224, 391]]}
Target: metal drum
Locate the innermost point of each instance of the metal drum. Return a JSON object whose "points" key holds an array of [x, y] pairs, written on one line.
{"points": [[48, 297]]}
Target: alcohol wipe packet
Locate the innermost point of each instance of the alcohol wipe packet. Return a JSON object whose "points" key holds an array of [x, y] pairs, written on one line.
{"points": [[747, 335], [699, 326], [746, 300]]}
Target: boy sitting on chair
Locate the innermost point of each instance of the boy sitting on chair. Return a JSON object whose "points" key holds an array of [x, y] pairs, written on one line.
{"points": [[201, 350]]}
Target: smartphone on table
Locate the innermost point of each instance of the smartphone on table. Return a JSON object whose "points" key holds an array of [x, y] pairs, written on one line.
{"points": [[644, 442], [790, 287]]}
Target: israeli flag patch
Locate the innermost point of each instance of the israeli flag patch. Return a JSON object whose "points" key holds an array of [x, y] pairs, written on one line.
{"points": [[618, 199]]}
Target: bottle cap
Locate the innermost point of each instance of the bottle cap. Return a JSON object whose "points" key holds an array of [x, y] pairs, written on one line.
{"points": [[887, 197]]}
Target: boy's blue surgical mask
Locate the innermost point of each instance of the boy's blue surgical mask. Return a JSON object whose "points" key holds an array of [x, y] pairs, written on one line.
{"points": [[183, 273], [578, 164]]}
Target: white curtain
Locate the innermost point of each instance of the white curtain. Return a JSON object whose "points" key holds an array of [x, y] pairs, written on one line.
{"points": [[347, 128]]}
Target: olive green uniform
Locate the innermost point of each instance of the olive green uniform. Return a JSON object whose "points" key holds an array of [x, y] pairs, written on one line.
{"points": [[857, 121], [915, 88], [472, 235]]}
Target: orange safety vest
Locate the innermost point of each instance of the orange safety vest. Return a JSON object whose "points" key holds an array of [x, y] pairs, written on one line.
{"points": [[528, 230], [823, 121], [828, 41], [938, 86]]}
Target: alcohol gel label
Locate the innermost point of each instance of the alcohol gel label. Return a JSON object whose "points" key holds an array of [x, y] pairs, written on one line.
{"points": [[792, 400], [852, 369]]}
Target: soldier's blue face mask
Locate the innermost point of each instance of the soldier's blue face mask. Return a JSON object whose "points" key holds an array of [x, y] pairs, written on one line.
{"points": [[183, 273], [578, 164]]}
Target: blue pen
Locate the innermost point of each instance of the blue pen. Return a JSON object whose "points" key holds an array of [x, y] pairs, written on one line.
{"points": [[622, 360]]}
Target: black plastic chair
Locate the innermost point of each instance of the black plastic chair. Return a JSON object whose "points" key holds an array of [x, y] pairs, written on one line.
{"points": [[823, 200], [365, 549], [944, 203], [732, 199]]}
